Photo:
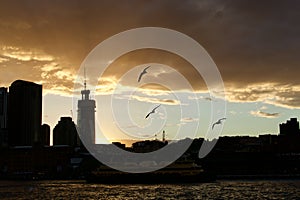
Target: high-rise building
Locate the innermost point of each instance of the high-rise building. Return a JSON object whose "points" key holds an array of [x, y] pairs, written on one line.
{"points": [[3, 116], [65, 133], [3, 107], [291, 127], [24, 113], [86, 116]]}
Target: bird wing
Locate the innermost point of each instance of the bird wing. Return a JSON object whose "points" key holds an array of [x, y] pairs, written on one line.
{"points": [[147, 115], [220, 121], [140, 76], [155, 108], [213, 126], [146, 68]]}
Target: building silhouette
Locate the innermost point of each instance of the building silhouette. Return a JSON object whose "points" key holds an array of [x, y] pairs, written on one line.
{"points": [[3, 116], [3, 107], [24, 113], [45, 135], [65, 133], [86, 116], [291, 127]]}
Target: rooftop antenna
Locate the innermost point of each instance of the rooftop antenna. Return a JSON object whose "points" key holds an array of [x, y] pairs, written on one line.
{"points": [[84, 79]]}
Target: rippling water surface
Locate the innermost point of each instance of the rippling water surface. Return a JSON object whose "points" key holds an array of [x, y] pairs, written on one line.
{"points": [[218, 190]]}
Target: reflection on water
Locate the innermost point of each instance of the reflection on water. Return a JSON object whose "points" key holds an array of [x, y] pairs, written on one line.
{"points": [[219, 190]]}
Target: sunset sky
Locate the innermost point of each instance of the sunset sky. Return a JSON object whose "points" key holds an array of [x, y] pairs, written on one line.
{"points": [[255, 45]]}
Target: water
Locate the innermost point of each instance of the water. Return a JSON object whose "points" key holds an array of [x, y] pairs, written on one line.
{"points": [[287, 189]]}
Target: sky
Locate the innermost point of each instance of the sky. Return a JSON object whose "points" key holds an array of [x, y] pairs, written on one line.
{"points": [[254, 44]]}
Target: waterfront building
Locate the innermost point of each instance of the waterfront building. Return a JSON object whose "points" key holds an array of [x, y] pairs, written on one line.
{"points": [[24, 113]]}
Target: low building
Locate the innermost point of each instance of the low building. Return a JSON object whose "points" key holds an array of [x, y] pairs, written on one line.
{"points": [[65, 133]]}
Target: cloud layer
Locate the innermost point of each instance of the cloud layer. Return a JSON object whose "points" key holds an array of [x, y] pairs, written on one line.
{"points": [[264, 114], [255, 44]]}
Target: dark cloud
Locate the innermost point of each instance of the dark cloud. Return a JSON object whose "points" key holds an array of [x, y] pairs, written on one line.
{"points": [[251, 41], [139, 57]]}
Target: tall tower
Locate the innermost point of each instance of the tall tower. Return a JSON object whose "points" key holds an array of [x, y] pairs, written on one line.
{"points": [[3, 116], [3, 107], [86, 116], [24, 113]]}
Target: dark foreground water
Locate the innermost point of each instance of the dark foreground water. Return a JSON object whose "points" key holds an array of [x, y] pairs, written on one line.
{"points": [[286, 189]]}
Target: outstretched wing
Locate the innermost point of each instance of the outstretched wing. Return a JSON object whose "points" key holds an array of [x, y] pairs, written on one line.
{"points": [[155, 108], [213, 126], [140, 76], [147, 115], [146, 69]]}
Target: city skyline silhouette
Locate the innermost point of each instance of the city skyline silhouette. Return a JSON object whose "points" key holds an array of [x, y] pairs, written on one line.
{"points": [[85, 96], [171, 99]]}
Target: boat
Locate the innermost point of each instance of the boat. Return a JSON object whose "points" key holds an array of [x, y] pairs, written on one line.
{"points": [[174, 174]]}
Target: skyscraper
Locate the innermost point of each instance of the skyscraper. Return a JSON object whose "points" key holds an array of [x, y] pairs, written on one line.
{"points": [[86, 116], [3, 107], [64, 133], [24, 113], [3, 116]]}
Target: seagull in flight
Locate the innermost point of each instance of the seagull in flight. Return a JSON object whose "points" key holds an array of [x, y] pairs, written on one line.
{"points": [[152, 111], [142, 73], [217, 122]]}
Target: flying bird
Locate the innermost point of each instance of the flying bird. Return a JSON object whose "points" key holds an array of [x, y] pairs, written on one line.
{"points": [[152, 111], [217, 122], [142, 73]]}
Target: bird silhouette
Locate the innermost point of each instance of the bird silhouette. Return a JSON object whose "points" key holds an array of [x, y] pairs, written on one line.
{"points": [[217, 122], [152, 111], [142, 73]]}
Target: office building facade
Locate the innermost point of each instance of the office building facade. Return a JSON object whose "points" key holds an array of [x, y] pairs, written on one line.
{"points": [[3, 107], [3, 117], [24, 113]]}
